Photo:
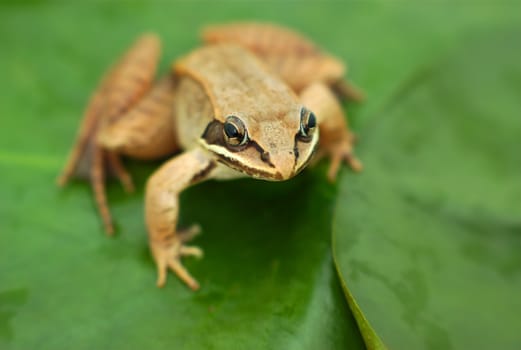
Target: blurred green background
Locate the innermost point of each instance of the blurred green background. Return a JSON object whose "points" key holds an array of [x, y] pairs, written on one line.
{"points": [[427, 239]]}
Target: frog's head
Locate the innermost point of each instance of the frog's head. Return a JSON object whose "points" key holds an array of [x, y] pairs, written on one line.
{"points": [[269, 147]]}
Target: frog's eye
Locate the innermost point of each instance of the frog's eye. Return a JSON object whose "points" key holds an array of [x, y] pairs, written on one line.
{"points": [[308, 124], [235, 132]]}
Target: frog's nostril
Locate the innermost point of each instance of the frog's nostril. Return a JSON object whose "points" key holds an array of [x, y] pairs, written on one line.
{"points": [[265, 156]]}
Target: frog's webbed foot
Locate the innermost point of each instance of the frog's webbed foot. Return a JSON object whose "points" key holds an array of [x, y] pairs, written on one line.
{"points": [[118, 91], [336, 140], [167, 255]]}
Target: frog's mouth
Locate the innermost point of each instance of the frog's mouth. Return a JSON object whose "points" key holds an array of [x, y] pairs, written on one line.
{"points": [[253, 172], [251, 160]]}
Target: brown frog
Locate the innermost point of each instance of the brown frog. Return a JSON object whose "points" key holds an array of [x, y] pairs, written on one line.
{"points": [[256, 101]]}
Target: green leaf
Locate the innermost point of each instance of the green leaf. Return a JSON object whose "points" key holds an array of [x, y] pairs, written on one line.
{"points": [[269, 284], [267, 278], [428, 239]]}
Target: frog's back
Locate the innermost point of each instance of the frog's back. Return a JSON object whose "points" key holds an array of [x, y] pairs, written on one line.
{"points": [[260, 38], [296, 59], [234, 82]]}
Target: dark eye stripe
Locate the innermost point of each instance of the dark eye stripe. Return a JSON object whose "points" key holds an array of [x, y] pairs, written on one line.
{"points": [[214, 135]]}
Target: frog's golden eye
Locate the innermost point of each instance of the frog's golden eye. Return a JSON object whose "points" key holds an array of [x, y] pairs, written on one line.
{"points": [[235, 132], [308, 124]]}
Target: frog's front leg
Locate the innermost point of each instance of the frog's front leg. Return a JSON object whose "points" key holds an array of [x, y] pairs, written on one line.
{"points": [[162, 210], [336, 140]]}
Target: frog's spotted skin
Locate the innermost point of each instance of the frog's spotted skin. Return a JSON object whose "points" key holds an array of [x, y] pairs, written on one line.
{"points": [[253, 102]]}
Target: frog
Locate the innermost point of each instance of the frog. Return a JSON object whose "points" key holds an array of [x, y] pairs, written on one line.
{"points": [[256, 100]]}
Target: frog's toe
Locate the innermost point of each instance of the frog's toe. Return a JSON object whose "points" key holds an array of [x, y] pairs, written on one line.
{"points": [[183, 274], [121, 172], [168, 256], [191, 251], [342, 152], [187, 234]]}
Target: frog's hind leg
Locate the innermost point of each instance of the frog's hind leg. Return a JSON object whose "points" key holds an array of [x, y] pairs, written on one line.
{"points": [[147, 130], [97, 180], [118, 91], [87, 159], [117, 168], [336, 140], [83, 148], [348, 91], [167, 243], [295, 58]]}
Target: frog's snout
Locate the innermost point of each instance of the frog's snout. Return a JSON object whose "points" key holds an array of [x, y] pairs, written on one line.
{"points": [[284, 163]]}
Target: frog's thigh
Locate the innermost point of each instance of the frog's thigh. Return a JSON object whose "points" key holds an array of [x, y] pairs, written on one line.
{"points": [[147, 130], [336, 140], [162, 209]]}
